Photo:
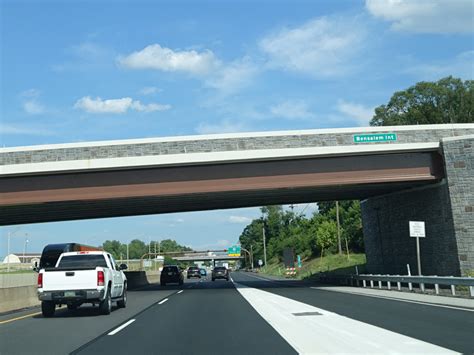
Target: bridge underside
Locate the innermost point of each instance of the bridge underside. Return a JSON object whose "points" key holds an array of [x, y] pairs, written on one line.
{"points": [[98, 194]]}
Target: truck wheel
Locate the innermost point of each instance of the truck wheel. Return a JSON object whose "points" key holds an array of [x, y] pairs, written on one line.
{"points": [[122, 303], [105, 306], [48, 308]]}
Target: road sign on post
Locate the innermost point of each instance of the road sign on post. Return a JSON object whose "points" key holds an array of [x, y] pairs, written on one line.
{"points": [[417, 230], [260, 262], [234, 251]]}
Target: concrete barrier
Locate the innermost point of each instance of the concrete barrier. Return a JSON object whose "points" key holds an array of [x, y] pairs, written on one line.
{"points": [[18, 280], [12, 298], [137, 279]]}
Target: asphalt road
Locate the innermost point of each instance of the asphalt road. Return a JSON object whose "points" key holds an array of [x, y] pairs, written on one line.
{"points": [[248, 315]]}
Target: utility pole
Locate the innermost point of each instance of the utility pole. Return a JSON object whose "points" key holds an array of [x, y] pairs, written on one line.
{"points": [[8, 251], [251, 255], [338, 229], [264, 247]]}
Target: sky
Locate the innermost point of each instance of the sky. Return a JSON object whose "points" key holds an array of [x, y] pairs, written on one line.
{"points": [[99, 70]]}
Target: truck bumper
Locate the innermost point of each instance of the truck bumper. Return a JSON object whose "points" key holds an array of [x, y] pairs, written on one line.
{"points": [[71, 296]]}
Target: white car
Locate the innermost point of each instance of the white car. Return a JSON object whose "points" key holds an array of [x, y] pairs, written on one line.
{"points": [[82, 277]]}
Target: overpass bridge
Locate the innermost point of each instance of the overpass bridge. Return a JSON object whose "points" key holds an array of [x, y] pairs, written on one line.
{"points": [[400, 173]]}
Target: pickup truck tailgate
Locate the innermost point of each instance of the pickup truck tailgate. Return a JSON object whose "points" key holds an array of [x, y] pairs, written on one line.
{"points": [[69, 280]]}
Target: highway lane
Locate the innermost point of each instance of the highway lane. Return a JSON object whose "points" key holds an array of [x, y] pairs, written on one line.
{"points": [[211, 318], [69, 330], [250, 315], [445, 327]]}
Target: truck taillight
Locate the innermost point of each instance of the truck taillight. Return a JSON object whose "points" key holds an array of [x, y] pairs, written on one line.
{"points": [[40, 280], [100, 278]]}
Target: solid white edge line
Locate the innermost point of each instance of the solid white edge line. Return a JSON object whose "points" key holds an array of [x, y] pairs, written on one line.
{"points": [[181, 291], [113, 332], [163, 301], [399, 299]]}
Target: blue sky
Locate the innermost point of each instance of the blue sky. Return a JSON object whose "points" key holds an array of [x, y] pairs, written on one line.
{"points": [[98, 70]]}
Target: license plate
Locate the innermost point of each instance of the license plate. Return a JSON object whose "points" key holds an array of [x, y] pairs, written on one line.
{"points": [[170, 273], [69, 294]]}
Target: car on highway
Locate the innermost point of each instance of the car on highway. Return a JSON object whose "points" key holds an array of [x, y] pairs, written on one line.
{"points": [[220, 272], [171, 274], [193, 271], [203, 272], [82, 277]]}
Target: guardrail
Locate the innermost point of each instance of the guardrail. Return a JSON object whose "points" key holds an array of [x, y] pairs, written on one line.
{"points": [[410, 280]]}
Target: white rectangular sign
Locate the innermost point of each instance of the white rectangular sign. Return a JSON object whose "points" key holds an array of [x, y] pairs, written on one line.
{"points": [[417, 229]]}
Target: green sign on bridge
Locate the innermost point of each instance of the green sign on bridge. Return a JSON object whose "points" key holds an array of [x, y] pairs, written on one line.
{"points": [[375, 137], [234, 250]]}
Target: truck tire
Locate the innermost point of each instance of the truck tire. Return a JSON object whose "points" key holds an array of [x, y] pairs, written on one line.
{"points": [[122, 303], [48, 308], [105, 306]]}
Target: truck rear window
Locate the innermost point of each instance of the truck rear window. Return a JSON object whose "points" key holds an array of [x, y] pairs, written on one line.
{"points": [[90, 260]]}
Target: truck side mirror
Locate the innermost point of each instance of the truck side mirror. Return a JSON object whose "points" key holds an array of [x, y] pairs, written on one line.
{"points": [[35, 268], [123, 267]]}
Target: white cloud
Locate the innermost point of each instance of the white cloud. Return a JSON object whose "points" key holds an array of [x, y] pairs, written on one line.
{"points": [[362, 114], [225, 126], [150, 90], [33, 107], [322, 47], [165, 59], [461, 66], [116, 106], [292, 109], [434, 16], [233, 76], [31, 103], [240, 219]]}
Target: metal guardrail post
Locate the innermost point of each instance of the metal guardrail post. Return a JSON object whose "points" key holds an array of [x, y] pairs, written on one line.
{"points": [[471, 290], [399, 285], [437, 289], [389, 286], [364, 283], [422, 287], [453, 290]]}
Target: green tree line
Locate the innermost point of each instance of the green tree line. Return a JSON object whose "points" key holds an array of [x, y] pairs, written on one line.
{"points": [[308, 236], [137, 248]]}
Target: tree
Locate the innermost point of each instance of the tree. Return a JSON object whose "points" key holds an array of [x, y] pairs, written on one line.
{"points": [[449, 100], [114, 247], [326, 235]]}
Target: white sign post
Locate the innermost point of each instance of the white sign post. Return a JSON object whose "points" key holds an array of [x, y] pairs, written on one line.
{"points": [[417, 230]]}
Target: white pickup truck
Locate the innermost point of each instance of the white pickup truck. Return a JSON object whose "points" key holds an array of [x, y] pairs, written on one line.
{"points": [[82, 277]]}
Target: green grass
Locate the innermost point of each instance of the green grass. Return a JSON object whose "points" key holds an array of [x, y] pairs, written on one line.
{"points": [[335, 264]]}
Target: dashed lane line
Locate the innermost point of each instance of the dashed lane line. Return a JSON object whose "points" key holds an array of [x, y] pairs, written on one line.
{"points": [[163, 301], [113, 332], [181, 291]]}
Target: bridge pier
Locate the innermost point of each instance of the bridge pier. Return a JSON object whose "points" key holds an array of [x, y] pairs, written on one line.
{"points": [[447, 209]]}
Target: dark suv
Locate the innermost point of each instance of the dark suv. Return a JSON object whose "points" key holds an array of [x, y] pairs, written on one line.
{"points": [[220, 272], [193, 271], [171, 274]]}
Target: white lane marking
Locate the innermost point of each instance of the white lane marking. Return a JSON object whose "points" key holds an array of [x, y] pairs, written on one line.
{"points": [[231, 279], [329, 332], [113, 332], [180, 292], [397, 299], [163, 301]]}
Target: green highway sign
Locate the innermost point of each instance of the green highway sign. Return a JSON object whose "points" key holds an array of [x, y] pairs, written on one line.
{"points": [[234, 250], [375, 137]]}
